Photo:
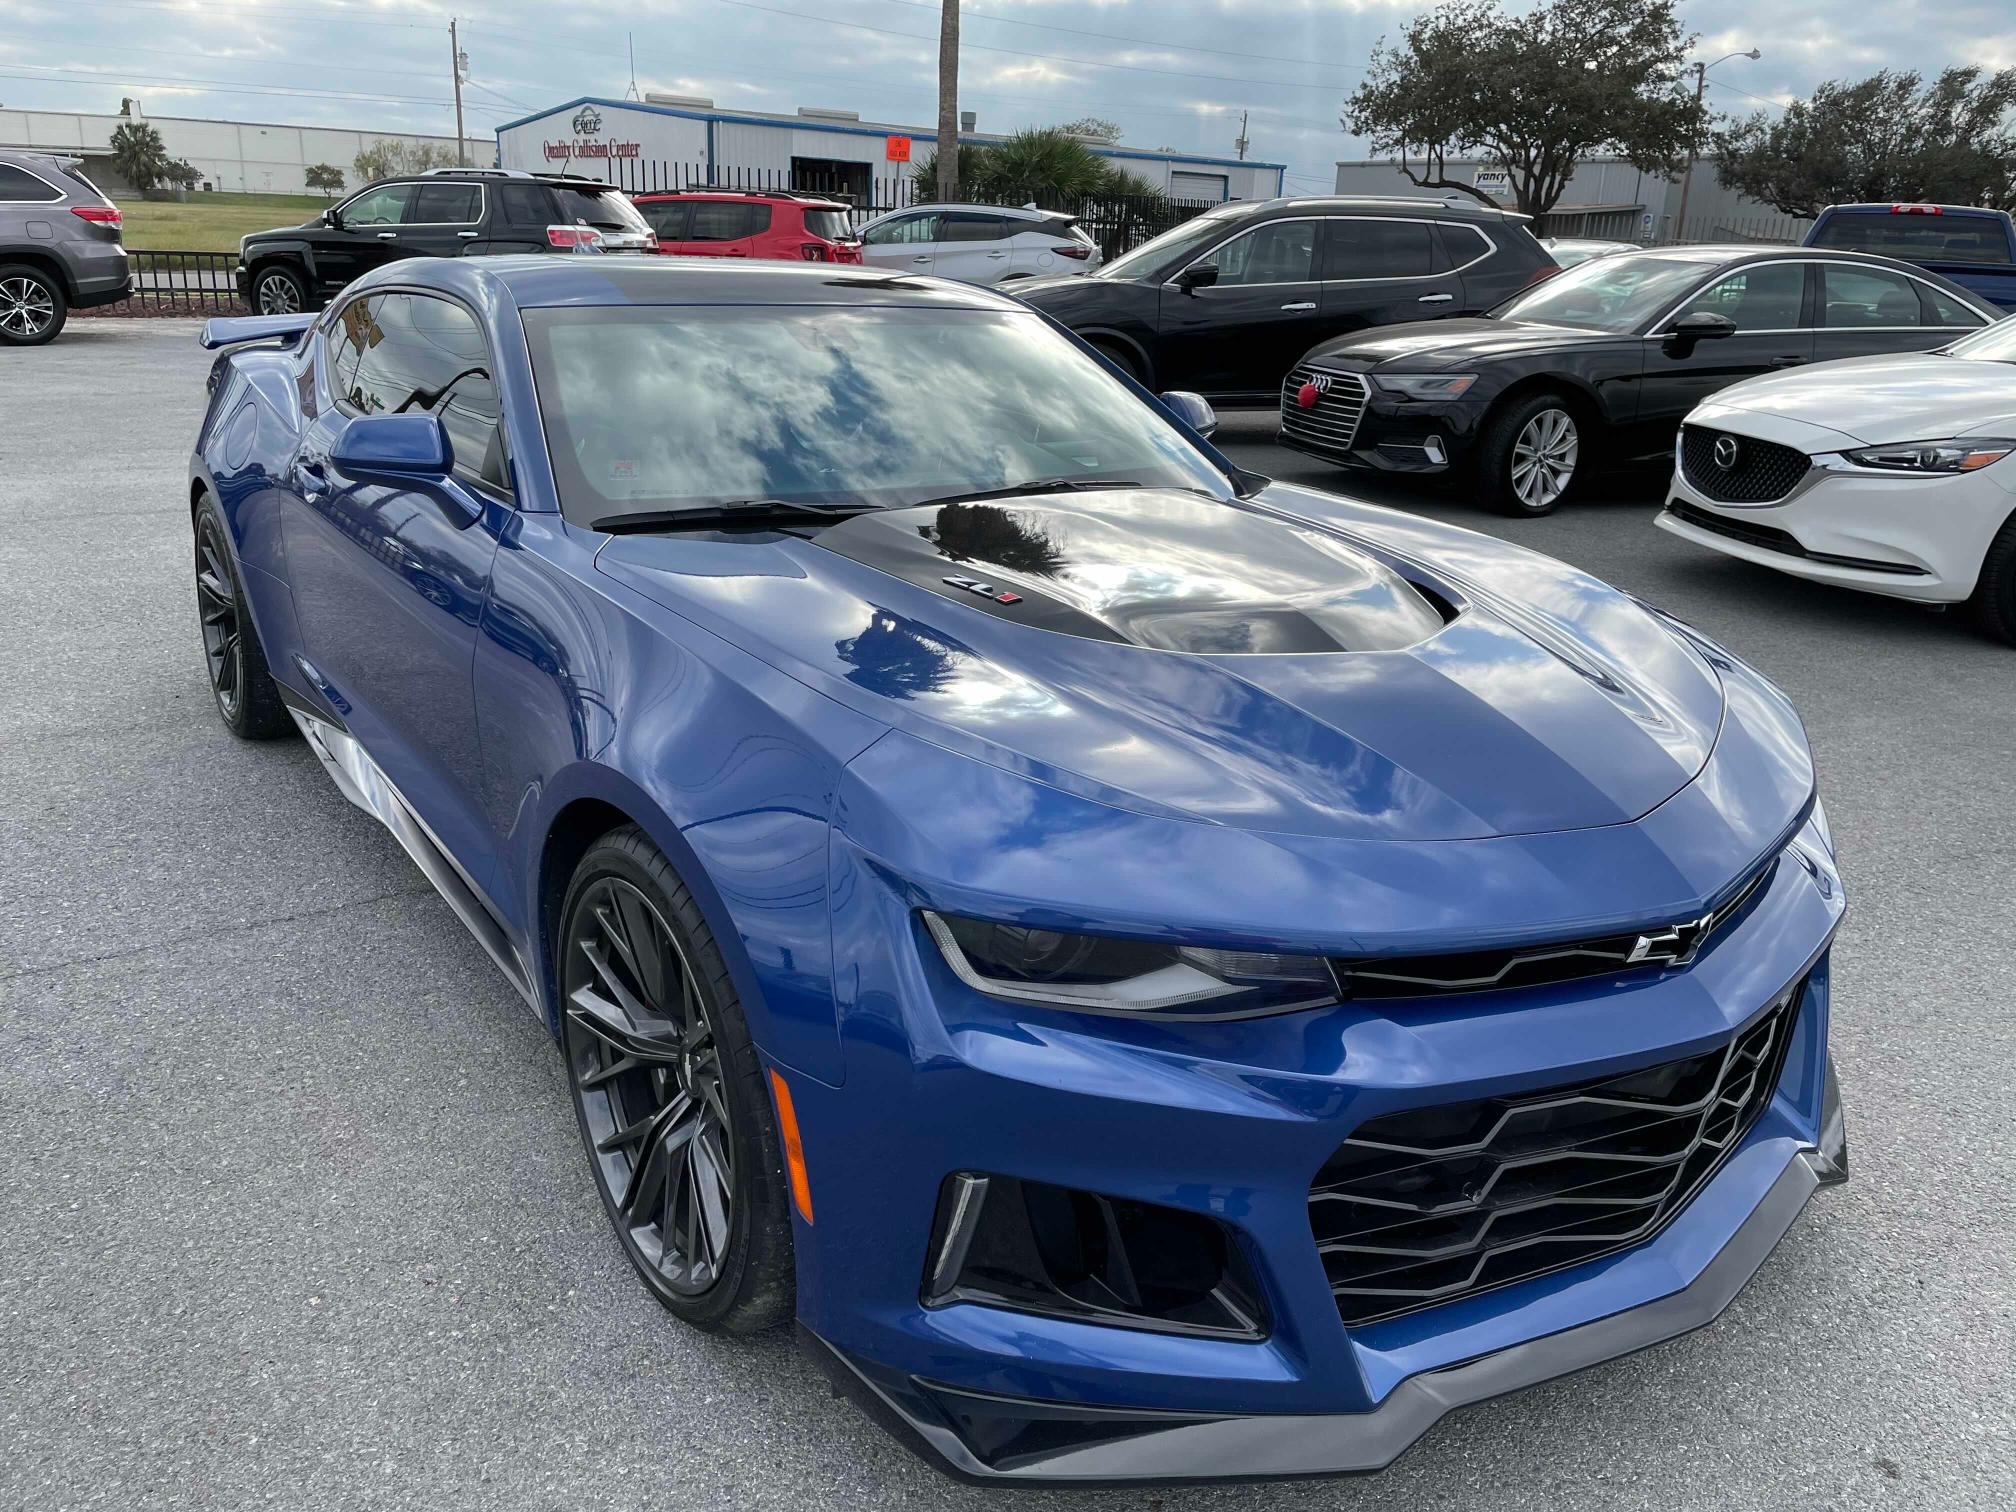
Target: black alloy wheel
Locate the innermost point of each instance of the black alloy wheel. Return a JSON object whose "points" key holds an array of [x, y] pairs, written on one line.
{"points": [[247, 700], [669, 1094]]}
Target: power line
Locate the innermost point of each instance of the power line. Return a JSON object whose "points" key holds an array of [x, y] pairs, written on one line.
{"points": [[1079, 31], [216, 86]]}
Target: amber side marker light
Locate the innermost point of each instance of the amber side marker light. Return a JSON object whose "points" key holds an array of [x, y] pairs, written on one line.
{"points": [[794, 1150]]}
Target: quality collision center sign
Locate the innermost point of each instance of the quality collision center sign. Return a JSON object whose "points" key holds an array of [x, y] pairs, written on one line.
{"points": [[587, 142]]}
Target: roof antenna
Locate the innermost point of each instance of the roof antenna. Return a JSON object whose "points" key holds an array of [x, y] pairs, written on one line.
{"points": [[633, 94]]}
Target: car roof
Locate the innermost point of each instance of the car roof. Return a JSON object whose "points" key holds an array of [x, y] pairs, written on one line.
{"points": [[534, 281], [1013, 212], [1386, 204], [743, 196], [1921, 207]]}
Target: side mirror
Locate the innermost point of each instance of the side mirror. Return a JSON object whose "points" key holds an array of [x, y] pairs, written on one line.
{"points": [[394, 449], [1194, 410], [1197, 276], [331, 219], [1702, 325]]}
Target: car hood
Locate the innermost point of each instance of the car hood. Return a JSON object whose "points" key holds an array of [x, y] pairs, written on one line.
{"points": [[1446, 343], [1919, 396], [1179, 656]]}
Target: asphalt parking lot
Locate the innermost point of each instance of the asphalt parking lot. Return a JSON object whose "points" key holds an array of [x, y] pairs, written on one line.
{"points": [[293, 1212]]}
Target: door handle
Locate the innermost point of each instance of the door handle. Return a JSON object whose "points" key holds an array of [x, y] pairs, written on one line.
{"points": [[997, 254], [468, 235], [1435, 299], [1301, 304], [310, 479], [921, 257], [1785, 362], [388, 236]]}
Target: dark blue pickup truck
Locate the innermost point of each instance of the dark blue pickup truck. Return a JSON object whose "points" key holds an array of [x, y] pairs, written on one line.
{"points": [[1975, 248]]}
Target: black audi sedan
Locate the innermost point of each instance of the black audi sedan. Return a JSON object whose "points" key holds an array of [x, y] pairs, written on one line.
{"points": [[1222, 304], [1602, 361]]}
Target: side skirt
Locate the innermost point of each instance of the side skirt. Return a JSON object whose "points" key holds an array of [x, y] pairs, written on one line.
{"points": [[364, 783]]}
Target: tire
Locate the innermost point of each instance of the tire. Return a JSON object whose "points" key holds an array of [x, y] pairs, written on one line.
{"points": [[1527, 462], [32, 306], [1121, 358], [1993, 606], [635, 956], [278, 289], [241, 685]]}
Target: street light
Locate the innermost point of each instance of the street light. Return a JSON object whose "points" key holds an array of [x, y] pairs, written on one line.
{"points": [[1700, 84]]}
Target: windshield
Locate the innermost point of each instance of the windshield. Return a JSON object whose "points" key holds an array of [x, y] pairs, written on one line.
{"points": [[604, 209], [1608, 293], [1177, 244], [1996, 343], [651, 408]]}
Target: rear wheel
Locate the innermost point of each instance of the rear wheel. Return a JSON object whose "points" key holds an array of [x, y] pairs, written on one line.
{"points": [[669, 1093], [278, 290], [1121, 358], [1531, 455], [1993, 605], [247, 700], [32, 306]]}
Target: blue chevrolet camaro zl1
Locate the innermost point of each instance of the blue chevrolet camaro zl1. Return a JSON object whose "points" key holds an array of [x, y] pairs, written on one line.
{"points": [[1163, 974]]}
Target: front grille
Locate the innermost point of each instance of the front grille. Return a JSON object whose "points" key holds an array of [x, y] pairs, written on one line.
{"points": [[1426, 1206], [1543, 965], [1762, 472], [1331, 424]]}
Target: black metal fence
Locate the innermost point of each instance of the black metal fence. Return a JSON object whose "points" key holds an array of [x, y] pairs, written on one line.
{"points": [[179, 283]]}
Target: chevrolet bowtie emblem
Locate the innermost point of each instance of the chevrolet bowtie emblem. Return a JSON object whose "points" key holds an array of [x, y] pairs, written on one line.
{"points": [[1674, 946]]}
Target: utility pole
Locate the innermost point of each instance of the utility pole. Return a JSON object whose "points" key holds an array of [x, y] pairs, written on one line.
{"points": [[1242, 144], [458, 62], [1687, 179], [948, 101]]}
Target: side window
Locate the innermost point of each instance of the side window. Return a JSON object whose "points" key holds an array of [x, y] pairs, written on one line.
{"points": [[18, 184], [445, 205], [383, 206], [1274, 253], [417, 353], [755, 219], [717, 220], [1378, 249], [904, 231], [524, 204], [669, 218], [1867, 297], [1462, 245], [966, 227], [1767, 298], [1942, 309], [353, 330]]}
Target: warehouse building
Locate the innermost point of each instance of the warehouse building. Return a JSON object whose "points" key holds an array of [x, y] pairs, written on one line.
{"points": [[238, 157], [1606, 198], [669, 141]]}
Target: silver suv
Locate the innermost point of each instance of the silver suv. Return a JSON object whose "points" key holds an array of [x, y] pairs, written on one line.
{"points": [[60, 247]]}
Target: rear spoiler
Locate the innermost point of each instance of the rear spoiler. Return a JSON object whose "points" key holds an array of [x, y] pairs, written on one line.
{"points": [[232, 329]]}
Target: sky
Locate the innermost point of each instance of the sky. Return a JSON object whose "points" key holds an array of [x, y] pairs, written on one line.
{"points": [[1171, 73]]}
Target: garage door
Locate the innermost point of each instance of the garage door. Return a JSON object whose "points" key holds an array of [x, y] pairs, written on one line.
{"points": [[1198, 186]]}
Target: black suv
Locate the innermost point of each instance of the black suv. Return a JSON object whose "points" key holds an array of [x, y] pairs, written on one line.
{"points": [[450, 212], [1226, 302]]}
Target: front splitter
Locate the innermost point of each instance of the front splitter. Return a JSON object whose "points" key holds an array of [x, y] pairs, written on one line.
{"points": [[1005, 1440]]}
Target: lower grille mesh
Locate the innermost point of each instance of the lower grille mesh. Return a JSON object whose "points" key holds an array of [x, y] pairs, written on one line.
{"points": [[1423, 1207]]}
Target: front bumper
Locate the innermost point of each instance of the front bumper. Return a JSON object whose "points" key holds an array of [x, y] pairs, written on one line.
{"points": [[1918, 538], [987, 1438]]}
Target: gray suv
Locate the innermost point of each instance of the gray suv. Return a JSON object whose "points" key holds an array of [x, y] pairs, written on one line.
{"points": [[60, 247]]}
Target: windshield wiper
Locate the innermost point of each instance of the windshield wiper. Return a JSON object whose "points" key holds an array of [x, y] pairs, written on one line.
{"points": [[1037, 486], [736, 511]]}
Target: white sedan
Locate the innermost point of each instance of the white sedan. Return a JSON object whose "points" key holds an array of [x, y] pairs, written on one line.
{"points": [[1888, 474]]}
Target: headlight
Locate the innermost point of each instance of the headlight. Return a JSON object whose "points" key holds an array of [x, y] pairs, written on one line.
{"points": [[1098, 974], [1958, 455], [1425, 385]]}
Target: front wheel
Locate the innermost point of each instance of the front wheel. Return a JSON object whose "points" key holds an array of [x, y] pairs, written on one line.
{"points": [[32, 306], [279, 290], [1531, 455], [1993, 605], [669, 1093]]}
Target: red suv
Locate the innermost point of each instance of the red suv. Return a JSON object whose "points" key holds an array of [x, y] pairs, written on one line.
{"points": [[751, 223]]}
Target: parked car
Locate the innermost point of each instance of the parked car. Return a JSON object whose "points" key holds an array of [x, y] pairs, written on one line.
{"points": [[1889, 474], [1570, 250], [981, 244], [1601, 362], [751, 223], [449, 212], [1226, 302], [1116, 945], [1974, 247], [60, 246]]}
